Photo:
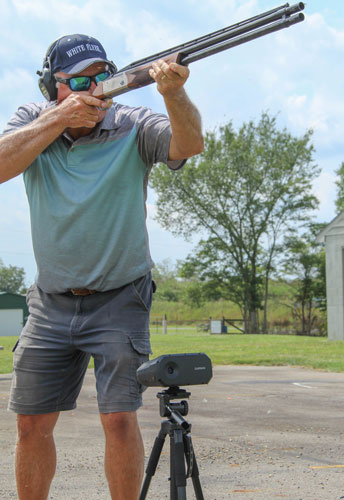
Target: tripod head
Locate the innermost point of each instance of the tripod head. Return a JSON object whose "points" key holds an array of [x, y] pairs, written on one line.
{"points": [[175, 411]]}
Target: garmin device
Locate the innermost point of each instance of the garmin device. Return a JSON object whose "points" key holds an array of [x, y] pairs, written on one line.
{"points": [[173, 370]]}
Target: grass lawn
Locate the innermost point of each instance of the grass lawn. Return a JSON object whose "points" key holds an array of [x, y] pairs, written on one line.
{"points": [[6, 354], [267, 350]]}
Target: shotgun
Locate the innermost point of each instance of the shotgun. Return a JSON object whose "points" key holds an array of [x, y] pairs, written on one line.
{"points": [[136, 74]]}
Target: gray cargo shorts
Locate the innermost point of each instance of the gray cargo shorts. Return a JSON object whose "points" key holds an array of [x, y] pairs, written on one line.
{"points": [[63, 331]]}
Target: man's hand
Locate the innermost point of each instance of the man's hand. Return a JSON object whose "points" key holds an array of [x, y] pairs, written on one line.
{"points": [[186, 126], [82, 110], [170, 78]]}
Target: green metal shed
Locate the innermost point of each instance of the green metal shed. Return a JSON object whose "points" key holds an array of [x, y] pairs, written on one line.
{"points": [[13, 313]]}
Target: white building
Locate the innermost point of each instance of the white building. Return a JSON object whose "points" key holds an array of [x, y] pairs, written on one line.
{"points": [[333, 237], [13, 313]]}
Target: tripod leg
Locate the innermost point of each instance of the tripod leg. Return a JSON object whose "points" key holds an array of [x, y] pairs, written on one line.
{"points": [[192, 466], [178, 475], [195, 480], [153, 461]]}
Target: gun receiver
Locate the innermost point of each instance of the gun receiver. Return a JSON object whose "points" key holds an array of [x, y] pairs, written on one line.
{"points": [[136, 74]]}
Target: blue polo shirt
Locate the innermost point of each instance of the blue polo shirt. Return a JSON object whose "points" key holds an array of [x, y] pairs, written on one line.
{"points": [[87, 199]]}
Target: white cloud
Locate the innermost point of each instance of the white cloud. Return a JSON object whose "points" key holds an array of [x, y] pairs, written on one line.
{"points": [[151, 214], [227, 11], [14, 81], [325, 190], [320, 112], [17, 87], [269, 79], [15, 234], [154, 35], [13, 206], [299, 72], [67, 11]]}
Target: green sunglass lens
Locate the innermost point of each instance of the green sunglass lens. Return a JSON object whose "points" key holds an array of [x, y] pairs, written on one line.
{"points": [[79, 83], [102, 76]]}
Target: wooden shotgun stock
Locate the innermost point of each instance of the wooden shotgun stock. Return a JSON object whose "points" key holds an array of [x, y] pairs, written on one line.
{"points": [[132, 79], [136, 74]]}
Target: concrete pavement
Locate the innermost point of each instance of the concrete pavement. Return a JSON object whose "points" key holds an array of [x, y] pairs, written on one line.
{"points": [[259, 433]]}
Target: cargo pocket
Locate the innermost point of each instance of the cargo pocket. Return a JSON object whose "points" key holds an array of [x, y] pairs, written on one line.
{"points": [[143, 288], [141, 351]]}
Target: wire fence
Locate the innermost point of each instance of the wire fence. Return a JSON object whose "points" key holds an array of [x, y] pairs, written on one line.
{"points": [[162, 325], [206, 325]]}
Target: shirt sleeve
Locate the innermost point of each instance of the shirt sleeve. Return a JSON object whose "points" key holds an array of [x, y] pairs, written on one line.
{"points": [[23, 116], [153, 139]]}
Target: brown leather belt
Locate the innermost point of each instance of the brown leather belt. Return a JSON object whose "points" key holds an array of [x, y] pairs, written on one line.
{"points": [[82, 291]]}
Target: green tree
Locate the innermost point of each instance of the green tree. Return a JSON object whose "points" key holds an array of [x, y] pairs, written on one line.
{"points": [[165, 276], [197, 291], [247, 189], [305, 263], [339, 202], [173, 285], [12, 279]]}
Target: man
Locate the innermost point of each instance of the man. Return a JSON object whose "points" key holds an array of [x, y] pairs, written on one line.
{"points": [[85, 164]]}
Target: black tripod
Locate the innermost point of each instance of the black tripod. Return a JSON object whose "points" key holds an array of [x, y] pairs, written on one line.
{"points": [[181, 449]]}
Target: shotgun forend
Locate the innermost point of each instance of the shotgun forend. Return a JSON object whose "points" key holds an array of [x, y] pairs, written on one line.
{"points": [[136, 74]]}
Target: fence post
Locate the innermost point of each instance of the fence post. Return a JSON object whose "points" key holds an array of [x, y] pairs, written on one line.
{"points": [[164, 324]]}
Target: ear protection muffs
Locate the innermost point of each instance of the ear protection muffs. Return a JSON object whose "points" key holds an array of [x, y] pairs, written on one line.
{"points": [[46, 80]]}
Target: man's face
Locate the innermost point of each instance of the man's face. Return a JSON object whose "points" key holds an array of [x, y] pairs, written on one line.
{"points": [[63, 90]]}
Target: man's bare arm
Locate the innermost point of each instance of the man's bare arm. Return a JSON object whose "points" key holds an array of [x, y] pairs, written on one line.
{"points": [[187, 139], [20, 148]]}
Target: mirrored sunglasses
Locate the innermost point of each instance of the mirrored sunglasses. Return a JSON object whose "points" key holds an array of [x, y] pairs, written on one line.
{"points": [[80, 83]]}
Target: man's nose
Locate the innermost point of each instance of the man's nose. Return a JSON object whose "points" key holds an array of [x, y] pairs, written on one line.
{"points": [[92, 87]]}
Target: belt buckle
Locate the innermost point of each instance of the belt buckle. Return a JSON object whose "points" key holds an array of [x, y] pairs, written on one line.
{"points": [[82, 291]]}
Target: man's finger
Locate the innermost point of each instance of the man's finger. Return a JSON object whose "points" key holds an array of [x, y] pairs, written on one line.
{"points": [[182, 71], [83, 100], [93, 101], [156, 67]]}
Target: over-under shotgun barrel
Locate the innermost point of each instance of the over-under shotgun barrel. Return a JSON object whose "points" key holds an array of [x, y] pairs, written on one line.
{"points": [[136, 74]]}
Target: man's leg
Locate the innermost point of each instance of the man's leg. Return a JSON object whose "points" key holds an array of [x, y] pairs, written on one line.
{"points": [[35, 455], [124, 454]]}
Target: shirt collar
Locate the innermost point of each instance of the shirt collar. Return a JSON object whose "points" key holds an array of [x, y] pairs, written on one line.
{"points": [[108, 123]]}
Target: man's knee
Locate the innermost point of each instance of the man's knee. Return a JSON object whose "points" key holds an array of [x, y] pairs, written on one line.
{"points": [[33, 426], [120, 424]]}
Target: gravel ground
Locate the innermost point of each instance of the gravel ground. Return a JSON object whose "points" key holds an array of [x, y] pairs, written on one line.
{"points": [[258, 432]]}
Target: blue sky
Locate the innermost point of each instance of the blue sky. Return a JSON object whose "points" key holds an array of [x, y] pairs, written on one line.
{"points": [[296, 73]]}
